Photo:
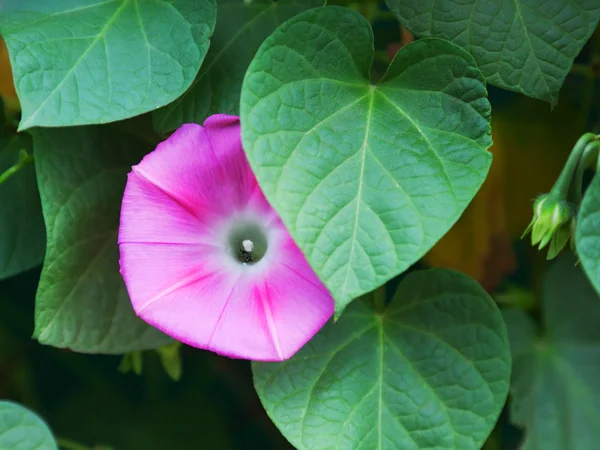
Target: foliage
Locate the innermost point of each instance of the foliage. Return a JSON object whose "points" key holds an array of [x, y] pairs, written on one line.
{"points": [[389, 394], [369, 128], [556, 364], [22, 429]]}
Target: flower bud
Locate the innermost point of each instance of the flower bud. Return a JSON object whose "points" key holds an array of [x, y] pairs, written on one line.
{"points": [[550, 224]]}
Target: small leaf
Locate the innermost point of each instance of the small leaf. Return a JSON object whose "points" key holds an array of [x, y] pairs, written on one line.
{"points": [[22, 235], [587, 232], [366, 178], [82, 302], [241, 27], [522, 45], [430, 371], [170, 358], [132, 362], [555, 385], [21, 429], [82, 62]]}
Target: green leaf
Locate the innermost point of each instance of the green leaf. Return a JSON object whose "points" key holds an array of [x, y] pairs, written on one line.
{"points": [[22, 235], [366, 178], [429, 371], [555, 386], [82, 302], [587, 232], [21, 429], [527, 46], [81, 62], [241, 28]]}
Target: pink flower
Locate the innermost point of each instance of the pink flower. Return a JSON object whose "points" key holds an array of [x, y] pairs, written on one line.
{"points": [[204, 256]]}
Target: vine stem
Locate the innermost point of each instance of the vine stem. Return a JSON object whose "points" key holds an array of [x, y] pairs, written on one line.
{"points": [[24, 159], [67, 444], [560, 189]]}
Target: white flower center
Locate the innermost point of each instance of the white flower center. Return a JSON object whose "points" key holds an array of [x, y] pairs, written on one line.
{"points": [[247, 242], [248, 245]]}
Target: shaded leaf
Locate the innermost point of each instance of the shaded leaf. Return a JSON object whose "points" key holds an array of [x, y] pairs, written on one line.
{"points": [[527, 46], [82, 302], [22, 235], [555, 391], [241, 28]]}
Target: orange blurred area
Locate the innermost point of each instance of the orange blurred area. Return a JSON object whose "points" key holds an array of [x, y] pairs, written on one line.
{"points": [[7, 86], [531, 144]]}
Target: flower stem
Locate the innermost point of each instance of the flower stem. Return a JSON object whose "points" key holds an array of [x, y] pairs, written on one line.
{"points": [[560, 190], [24, 159], [590, 154]]}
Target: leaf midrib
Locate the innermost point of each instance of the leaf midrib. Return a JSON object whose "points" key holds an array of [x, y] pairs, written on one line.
{"points": [[358, 195]]}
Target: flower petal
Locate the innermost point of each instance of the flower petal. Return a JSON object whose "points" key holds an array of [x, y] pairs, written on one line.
{"points": [[284, 309], [201, 314], [152, 270], [180, 204], [148, 214], [198, 173]]}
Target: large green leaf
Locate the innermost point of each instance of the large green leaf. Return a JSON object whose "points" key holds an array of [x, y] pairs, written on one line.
{"points": [[526, 46], [429, 371], [94, 61], [241, 28], [22, 236], [82, 302], [555, 387], [21, 429], [587, 233], [366, 178]]}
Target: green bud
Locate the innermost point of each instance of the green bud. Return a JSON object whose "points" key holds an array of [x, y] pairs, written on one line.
{"points": [[559, 241], [550, 224]]}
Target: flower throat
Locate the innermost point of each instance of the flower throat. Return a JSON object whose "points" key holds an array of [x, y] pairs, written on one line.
{"points": [[248, 243]]}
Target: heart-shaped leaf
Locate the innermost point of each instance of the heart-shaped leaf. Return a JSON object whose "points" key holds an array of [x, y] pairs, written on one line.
{"points": [[431, 370], [96, 61], [366, 178], [82, 302], [526, 46], [241, 28], [587, 233], [21, 429], [555, 385]]}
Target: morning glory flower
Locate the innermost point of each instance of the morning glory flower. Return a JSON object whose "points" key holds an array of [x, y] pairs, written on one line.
{"points": [[204, 256]]}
